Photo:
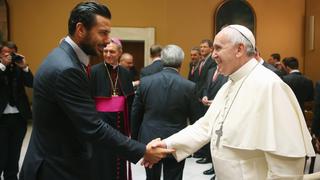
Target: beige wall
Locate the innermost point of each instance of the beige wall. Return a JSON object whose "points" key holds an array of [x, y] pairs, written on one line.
{"points": [[312, 63], [37, 26]]}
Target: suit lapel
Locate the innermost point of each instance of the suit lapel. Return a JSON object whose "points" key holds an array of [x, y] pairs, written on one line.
{"points": [[73, 56]]}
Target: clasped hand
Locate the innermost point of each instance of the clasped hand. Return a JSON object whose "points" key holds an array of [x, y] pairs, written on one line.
{"points": [[155, 151]]}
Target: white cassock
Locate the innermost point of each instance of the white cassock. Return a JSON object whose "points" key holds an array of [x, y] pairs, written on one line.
{"points": [[264, 131]]}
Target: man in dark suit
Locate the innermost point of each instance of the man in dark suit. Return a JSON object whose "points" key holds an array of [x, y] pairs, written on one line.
{"points": [[14, 108], [195, 56], [205, 64], [156, 65], [316, 117], [162, 104], [268, 66], [300, 84], [65, 121]]}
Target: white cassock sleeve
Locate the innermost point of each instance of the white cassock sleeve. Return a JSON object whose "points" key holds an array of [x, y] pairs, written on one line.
{"points": [[193, 137]]}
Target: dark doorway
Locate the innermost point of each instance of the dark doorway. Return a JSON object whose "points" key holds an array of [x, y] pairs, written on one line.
{"points": [[136, 49], [235, 12]]}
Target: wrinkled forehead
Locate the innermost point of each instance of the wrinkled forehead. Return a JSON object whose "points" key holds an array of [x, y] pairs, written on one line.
{"points": [[220, 39]]}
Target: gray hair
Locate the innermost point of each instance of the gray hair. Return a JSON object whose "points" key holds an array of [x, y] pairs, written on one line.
{"points": [[239, 34], [172, 56]]}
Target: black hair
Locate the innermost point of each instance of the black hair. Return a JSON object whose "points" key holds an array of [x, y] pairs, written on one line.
{"points": [[85, 12], [291, 62], [276, 56], [9, 44]]}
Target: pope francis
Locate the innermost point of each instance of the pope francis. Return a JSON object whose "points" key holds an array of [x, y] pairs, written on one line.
{"points": [[255, 125]]}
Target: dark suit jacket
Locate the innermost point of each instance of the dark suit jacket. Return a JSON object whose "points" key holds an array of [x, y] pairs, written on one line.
{"points": [[161, 106], [19, 81], [212, 87], [273, 69], [155, 67], [301, 86], [66, 122], [316, 116], [195, 76], [203, 74]]}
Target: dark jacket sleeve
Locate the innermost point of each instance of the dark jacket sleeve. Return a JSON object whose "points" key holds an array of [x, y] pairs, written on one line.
{"points": [[316, 118], [137, 113], [73, 96], [27, 78]]}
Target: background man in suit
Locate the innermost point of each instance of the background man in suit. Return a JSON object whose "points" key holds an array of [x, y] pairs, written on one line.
{"points": [[195, 56], [316, 117], [300, 84], [156, 65], [204, 65], [64, 115], [162, 104], [14, 108], [267, 65], [126, 61]]}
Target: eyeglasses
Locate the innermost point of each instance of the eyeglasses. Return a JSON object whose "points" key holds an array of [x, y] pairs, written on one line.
{"points": [[242, 35]]}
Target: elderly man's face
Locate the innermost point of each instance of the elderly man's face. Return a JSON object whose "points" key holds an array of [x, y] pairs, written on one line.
{"points": [[111, 54], [225, 54]]}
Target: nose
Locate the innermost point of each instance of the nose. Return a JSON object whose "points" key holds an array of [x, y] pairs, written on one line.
{"points": [[214, 54], [107, 40]]}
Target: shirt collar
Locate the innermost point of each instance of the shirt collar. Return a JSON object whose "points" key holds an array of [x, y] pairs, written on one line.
{"points": [[156, 59], [294, 71], [83, 57], [243, 70]]}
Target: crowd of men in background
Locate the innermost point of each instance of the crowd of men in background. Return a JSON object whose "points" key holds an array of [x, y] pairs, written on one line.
{"points": [[140, 115]]}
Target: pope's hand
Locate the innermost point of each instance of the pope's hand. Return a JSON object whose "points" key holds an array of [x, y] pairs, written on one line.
{"points": [[156, 150]]}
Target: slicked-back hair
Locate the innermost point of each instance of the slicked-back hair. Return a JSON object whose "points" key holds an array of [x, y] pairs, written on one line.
{"points": [[85, 13], [291, 62], [208, 41], [172, 56], [155, 50]]}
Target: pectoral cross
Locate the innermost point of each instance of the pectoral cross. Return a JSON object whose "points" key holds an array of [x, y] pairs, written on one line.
{"points": [[114, 92], [219, 133]]}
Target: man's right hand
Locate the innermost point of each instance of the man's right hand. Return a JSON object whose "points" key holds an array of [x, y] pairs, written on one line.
{"points": [[156, 150]]}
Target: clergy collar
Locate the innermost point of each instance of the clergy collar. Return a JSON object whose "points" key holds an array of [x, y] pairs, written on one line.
{"points": [[110, 66], [83, 57], [243, 70]]}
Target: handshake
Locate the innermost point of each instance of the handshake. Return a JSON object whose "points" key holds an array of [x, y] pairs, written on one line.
{"points": [[155, 151]]}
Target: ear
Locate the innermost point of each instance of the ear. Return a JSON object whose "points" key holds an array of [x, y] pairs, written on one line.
{"points": [[80, 30], [240, 50]]}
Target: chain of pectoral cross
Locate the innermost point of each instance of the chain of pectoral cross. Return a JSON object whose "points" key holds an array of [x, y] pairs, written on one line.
{"points": [[219, 132]]}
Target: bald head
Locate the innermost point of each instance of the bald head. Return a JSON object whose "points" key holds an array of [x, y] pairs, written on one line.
{"points": [[233, 47], [126, 60]]}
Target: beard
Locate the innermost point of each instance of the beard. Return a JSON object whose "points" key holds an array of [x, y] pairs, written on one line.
{"points": [[88, 46]]}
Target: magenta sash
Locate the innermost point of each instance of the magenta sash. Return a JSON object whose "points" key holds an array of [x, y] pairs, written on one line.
{"points": [[116, 104], [110, 104]]}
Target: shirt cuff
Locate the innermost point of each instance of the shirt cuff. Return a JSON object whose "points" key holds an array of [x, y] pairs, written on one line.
{"points": [[168, 144], [26, 69], [2, 67]]}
